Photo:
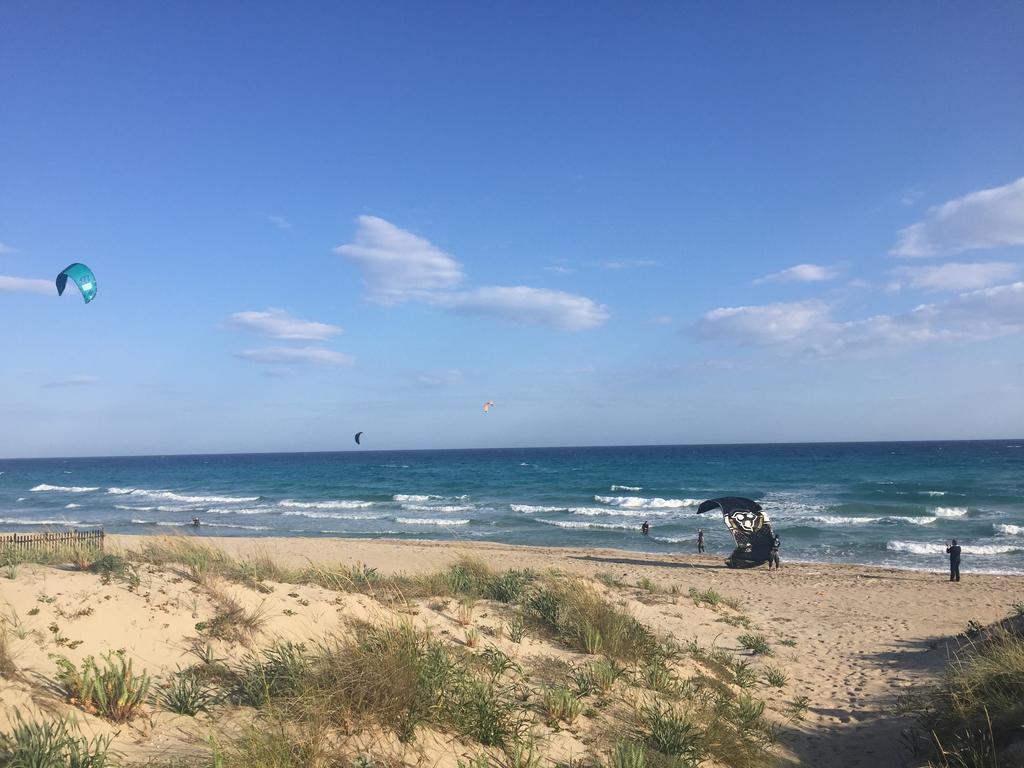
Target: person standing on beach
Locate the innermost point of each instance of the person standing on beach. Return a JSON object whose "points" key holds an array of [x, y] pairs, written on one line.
{"points": [[953, 550], [700, 540], [773, 556]]}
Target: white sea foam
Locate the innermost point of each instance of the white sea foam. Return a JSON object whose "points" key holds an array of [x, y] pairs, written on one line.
{"points": [[126, 508], [587, 524], [416, 497], [842, 520], [626, 488], [186, 498], [928, 548], [639, 502], [21, 498], [950, 511], [63, 488], [242, 511], [673, 539], [429, 521], [240, 527], [934, 493], [1008, 529], [529, 509], [333, 515], [437, 507], [22, 521], [337, 504], [72, 506]]}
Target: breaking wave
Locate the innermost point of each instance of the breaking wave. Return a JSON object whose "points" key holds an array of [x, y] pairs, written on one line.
{"points": [[1006, 529], [437, 508], [172, 496], [339, 504], [626, 488], [63, 488], [416, 497], [639, 502], [923, 548], [429, 521], [333, 516], [950, 511], [583, 524]]}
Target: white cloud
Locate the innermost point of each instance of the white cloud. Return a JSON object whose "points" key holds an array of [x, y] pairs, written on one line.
{"points": [[280, 222], [7, 249], [662, 319], [766, 324], [629, 264], [955, 276], [988, 218], [296, 355], [27, 285], [522, 304], [801, 273], [559, 270], [279, 324], [73, 381], [809, 326], [397, 265]]}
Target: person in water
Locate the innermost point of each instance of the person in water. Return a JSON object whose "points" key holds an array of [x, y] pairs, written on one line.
{"points": [[953, 550], [195, 522], [645, 528], [773, 556], [700, 540]]}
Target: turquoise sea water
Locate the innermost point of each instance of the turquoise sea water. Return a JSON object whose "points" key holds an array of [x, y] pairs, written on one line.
{"points": [[881, 503]]}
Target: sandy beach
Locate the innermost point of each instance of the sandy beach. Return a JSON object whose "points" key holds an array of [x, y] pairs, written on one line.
{"points": [[850, 639]]}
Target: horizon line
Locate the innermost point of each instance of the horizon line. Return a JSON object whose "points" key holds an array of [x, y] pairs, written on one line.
{"points": [[507, 448]]}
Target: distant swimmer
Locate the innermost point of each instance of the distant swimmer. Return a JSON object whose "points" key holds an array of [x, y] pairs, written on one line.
{"points": [[358, 436], [488, 405], [645, 528]]}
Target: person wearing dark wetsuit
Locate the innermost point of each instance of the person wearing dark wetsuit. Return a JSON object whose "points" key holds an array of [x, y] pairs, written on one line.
{"points": [[954, 561], [645, 528], [700, 540]]}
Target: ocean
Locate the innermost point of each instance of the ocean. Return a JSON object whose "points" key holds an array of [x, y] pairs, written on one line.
{"points": [[891, 504]]}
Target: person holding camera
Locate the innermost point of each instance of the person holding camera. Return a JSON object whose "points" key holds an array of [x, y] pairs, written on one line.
{"points": [[953, 550]]}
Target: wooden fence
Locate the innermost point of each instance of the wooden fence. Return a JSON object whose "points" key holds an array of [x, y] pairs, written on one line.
{"points": [[55, 541]]}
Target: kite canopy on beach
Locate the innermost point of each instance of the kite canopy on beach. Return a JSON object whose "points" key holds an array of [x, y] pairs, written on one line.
{"points": [[749, 526], [81, 276]]}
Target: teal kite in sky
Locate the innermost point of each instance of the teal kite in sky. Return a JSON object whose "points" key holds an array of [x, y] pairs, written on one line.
{"points": [[82, 277]]}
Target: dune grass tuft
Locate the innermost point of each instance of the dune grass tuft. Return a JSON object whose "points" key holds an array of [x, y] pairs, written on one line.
{"points": [[111, 690], [52, 743]]}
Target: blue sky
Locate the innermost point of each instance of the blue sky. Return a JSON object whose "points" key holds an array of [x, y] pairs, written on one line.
{"points": [[633, 223]]}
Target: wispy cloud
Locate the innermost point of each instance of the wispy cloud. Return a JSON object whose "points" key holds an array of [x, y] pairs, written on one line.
{"points": [[27, 285], [979, 315], [559, 269], [988, 218], [629, 263], [911, 195], [295, 356], [399, 266], [73, 381], [280, 222], [279, 324], [955, 276], [801, 273], [663, 319], [522, 304], [7, 249]]}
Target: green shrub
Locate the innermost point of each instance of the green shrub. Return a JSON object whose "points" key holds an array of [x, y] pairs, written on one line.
{"points": [[775, 677], [278, 672], [670, 731], [186, 694], [627, 754], [52, 743], [113, 691], [558, 703], [756, 644]]}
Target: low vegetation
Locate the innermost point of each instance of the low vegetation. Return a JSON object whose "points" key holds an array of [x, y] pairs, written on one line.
{"points": [[638, 700], [973, 718], [52, 743]]}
